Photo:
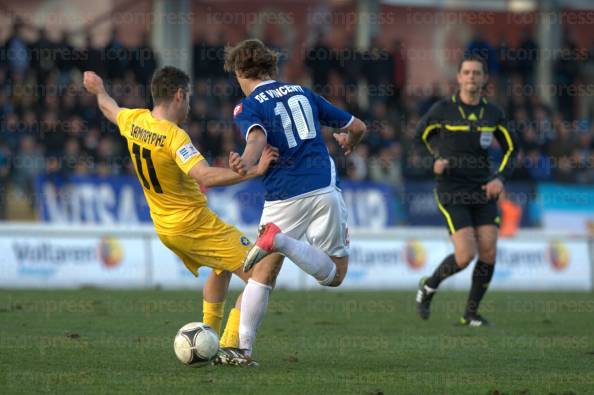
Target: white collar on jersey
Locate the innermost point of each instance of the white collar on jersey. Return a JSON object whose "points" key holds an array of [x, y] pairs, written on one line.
{"points": [[264, 83]]}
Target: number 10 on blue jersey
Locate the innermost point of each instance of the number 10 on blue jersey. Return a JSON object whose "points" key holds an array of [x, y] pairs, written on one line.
{"points": [[302, 117]]}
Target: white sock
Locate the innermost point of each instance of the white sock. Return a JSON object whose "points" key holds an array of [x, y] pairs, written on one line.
{"points": [[253, 307], [310, 259]]}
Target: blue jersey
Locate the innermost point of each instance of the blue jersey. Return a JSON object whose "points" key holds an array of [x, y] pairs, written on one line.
{"points": [[291, 116]]}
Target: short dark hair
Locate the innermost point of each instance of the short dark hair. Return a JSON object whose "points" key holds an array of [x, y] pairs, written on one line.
{"points": [[251, 59], [165, 83], [472, 57]]}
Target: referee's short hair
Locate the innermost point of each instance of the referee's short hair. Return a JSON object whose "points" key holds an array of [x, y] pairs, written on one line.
{"points": [[472, 57]]}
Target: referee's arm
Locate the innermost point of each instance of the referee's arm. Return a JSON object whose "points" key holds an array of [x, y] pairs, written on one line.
{"points": [[428, 128], [509, 143]]}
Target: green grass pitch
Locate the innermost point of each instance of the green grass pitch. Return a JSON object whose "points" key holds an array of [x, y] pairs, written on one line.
{"points": [[100, 341]]}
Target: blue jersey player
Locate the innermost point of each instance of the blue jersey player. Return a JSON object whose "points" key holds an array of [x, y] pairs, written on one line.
{"points": [[302, 198]]}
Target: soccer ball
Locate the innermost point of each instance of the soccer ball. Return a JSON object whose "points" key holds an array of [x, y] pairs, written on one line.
{"points": [[195, 344]]}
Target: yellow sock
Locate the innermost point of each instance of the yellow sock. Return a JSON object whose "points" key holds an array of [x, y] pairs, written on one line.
{"points": [[231, 335], [212, 315]]}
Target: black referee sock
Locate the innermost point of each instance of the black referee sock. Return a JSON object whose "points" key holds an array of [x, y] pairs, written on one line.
{"points": [[481, 277], [446, 268]]}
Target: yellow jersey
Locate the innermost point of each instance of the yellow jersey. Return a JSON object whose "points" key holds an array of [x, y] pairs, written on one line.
{"points": [[163, 154]]}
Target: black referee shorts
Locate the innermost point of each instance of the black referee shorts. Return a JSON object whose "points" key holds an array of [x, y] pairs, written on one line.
{"points": [[458, 216]]}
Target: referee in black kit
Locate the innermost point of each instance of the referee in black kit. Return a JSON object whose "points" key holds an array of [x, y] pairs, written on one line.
{"points": [[458, 132]]}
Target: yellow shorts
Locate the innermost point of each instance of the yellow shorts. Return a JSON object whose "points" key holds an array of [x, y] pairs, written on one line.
{"points": [[213, 243]]}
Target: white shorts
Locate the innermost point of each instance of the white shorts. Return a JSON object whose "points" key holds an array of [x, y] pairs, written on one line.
{"points": [[322, 219]]}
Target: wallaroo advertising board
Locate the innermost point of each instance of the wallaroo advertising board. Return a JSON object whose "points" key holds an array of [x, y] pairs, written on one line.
{"points": [[75, 256], [68, 261], [553, 264]]}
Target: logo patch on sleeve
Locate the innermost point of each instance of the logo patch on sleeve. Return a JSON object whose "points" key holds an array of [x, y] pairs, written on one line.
{"points": [[186, 152], [237, 110]]}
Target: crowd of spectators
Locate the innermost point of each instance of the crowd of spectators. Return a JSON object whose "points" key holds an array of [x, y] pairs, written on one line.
{"points": [[49, 125]]}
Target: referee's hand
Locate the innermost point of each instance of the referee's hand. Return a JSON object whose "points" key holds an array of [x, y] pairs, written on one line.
{"points": [[439, 166], [493, 188]]}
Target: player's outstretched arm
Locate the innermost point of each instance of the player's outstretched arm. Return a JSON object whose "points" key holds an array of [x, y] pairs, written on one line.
{"points": [[353, 136], [217, 176], [94, 84], [255, 149]]}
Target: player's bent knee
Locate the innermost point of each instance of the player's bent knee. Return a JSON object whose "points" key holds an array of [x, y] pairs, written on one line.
{"points": [[342, 266], [335, 283], [338, 279]]}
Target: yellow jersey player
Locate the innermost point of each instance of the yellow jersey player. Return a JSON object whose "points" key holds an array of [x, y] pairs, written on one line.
{"points": [[169, 169]]}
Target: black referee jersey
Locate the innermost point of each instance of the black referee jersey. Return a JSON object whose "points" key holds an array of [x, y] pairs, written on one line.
{"points": [[462, 134]]}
